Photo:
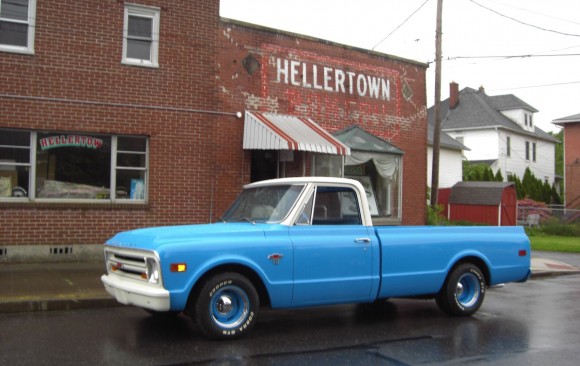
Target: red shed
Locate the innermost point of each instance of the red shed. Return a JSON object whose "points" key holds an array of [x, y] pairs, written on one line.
{"points": [[492, 203]]}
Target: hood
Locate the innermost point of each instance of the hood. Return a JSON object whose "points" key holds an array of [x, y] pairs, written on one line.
{"points": [[156, 237]]}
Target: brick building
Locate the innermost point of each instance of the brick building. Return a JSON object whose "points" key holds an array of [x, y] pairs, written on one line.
{"points": [[116, 115], [571, 125]]}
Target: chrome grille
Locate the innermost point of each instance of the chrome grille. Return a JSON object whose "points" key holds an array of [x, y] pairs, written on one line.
{"points": [[127, 263]]}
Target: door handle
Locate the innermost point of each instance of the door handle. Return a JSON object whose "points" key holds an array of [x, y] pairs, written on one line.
{"points": [[362, 240]]}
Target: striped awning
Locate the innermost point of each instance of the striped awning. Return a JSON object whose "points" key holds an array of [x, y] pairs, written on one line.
{"points": [[271, 131]]}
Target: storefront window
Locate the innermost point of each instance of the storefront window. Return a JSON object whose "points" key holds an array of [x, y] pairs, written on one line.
{"points": [[131, 168], [327, 165], [380, 175], [72, 166], [14, 163]]}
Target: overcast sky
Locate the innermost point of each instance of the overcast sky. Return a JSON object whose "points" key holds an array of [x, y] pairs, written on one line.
{"points": [[473, 30]]}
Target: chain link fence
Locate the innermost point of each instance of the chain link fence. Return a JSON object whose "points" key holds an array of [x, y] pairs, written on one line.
{"points": [[535, 216]]}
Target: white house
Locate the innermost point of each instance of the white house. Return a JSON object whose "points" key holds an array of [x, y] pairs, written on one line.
{"points": [[450, 159], [499, 131]]}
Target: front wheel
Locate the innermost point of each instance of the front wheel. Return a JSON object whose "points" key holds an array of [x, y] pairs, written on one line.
{"points": [[463, 291], [227, 306]]}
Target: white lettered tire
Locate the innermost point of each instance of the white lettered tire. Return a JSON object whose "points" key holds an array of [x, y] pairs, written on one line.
{"points": [[463, 291], [227, 306]]}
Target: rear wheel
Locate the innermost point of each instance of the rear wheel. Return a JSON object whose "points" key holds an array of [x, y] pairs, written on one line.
{"points": [[463, 291], [227, 306]]}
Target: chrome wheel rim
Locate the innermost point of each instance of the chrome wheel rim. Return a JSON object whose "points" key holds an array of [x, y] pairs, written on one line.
{"points": [[468, 290], [229, 307]]}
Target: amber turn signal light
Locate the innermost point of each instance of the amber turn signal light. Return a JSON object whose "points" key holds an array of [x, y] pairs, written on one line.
{"points": [[178, 267]]}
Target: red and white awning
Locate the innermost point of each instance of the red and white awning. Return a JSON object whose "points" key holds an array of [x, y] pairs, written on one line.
{"points": [[271, 131]]}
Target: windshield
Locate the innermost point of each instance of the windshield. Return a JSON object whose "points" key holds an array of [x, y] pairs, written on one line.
{"points": [[263, 204]]}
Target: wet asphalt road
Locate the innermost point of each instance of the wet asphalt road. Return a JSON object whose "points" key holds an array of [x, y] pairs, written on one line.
{"points": [[536, 323]]}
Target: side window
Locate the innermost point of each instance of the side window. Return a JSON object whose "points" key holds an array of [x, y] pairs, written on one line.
{"points": [[17, 21], [141, 36], [336, 206]]}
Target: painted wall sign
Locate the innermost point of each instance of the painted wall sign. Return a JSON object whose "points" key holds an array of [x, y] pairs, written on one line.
{"points": [[313, 76], [70, 140]]}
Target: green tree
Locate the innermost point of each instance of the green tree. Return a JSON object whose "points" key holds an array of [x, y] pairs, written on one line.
{"points": [[559, 151], [534, 188]]}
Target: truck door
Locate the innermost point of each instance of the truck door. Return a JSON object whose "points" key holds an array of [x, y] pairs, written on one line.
{"points": [[333, 256]]}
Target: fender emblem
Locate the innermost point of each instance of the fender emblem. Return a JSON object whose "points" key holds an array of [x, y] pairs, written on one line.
{"points": [[275, 258]]}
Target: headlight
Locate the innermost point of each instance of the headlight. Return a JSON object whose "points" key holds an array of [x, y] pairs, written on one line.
{"points": [[152, 270]]}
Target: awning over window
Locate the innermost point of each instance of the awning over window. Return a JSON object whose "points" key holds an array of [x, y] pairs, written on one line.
{"points": [[271, 131]]}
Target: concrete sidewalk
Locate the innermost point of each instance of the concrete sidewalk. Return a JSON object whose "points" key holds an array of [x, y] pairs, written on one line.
{"points": [[65, 286]]}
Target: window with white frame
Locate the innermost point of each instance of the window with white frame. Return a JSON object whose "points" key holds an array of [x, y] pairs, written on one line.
{"points": [[141, 35], [17, 21], [508, 146], [69, 166]]}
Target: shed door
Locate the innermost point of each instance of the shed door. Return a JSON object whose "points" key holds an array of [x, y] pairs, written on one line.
{"points": [[508, 207]]}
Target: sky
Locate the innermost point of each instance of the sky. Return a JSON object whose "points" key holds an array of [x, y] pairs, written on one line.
{"points": [[529, 48]]}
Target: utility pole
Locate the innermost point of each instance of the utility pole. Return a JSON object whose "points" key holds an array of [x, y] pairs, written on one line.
{"points": [[437, 126]]}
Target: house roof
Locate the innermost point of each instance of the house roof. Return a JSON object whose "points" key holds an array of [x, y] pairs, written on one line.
{"points": [[510, 101], [478, 193], [358, 139], [446, 141], [477, 110], [570, 119]]}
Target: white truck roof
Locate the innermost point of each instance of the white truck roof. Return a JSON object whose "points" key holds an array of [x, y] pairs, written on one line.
{"points": [[329, 181]]}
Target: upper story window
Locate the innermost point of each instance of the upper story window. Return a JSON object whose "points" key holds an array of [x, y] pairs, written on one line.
{"points": [[17, 21], [527, 150], [528, 121], [66, 166], [141, 36], [508, 146]]}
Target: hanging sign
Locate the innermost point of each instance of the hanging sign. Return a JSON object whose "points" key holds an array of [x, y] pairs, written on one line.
{"points": [[70, 141]]}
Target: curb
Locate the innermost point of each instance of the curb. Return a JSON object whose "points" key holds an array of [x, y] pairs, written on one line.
{"points": [[547, 274], [36, 305]]}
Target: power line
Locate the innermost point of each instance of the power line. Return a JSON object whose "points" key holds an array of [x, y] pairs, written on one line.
{"points": [[538, 86], [524, 23], [504, 57], [400, 25], [534, 12], [511, 56]]}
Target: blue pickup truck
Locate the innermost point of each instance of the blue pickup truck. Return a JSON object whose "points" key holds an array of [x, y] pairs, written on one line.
{"points": [[299, 242]]}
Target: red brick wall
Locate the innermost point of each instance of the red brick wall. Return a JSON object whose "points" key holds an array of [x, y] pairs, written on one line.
{"points": [[572, 164], [75, 83], [77, 62], [401, 121]]}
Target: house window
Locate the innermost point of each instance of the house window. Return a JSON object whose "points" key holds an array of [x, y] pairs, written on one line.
{"points": [[527, 150], [531, 123], [63, 166], [508, 146], [17, 19], [534, 151], [141, 36], [526, 119]]}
